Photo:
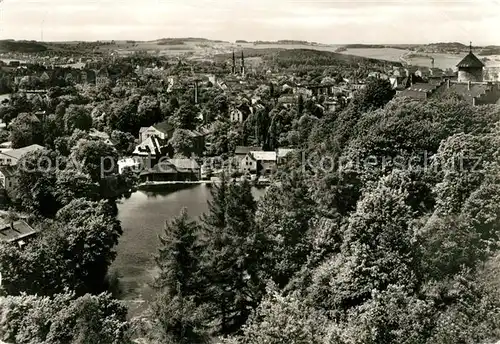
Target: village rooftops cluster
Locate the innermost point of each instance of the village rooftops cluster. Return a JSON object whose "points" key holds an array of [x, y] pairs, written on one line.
{"points": [[468, 84]]}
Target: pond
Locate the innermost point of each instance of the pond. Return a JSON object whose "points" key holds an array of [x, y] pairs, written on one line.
{"points": [[143, 217]]}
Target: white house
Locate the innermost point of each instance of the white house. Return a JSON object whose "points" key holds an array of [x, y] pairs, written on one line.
{"points": [[266, 160], [7, 178], [162, 130], [236, 115], [259, 161], [129, 163], [152, 146], [248, 164]]}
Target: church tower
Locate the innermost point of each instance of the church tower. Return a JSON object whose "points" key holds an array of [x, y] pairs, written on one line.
{"points": [[233, 68], [242, 64], [470, 68]]}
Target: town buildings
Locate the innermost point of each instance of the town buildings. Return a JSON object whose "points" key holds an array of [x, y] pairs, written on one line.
{"points": [[469, 84]]}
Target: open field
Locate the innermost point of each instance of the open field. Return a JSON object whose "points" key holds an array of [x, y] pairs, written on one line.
{"points": [[389, 54], [330, 48]]}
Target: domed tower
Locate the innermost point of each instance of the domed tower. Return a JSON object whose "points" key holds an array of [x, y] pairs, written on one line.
{"points": [[470, 68]]}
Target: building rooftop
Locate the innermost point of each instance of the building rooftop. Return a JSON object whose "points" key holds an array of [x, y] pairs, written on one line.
{"points": [[162, 167], [98, 134], [19, 152], [183, 165], [463, 90], [423, 87], [17, 230], [283, 152], [470, 61], [264, 155], [152, 145], [164, 127], [244, 150]]}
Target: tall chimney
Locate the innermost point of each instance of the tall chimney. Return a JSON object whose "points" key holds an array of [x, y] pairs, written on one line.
{"points": [[447, 83], [468, 85]]}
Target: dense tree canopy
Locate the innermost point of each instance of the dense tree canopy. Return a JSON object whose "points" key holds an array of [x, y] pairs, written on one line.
{"points": [[64, 319], [73, 252]]}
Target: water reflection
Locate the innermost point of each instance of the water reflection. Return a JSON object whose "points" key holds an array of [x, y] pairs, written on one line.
{"points": [[143, 217]]}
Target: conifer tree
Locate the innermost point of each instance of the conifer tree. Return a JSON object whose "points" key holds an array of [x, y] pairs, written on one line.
{"points": [[178, 256], [177, 315], [284, 216], [231, 256], [216, 215]]}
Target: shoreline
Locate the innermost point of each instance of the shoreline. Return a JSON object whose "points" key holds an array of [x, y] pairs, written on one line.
{"points": [[179, 183]]}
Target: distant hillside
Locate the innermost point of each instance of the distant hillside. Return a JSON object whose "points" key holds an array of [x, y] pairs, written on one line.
{"points": [[286, 41], [364, 46], [305, 57], [490, 50], [11, 46], [448, 46], [248, 52], [321, 58], [287, 58], [187, 40], [379, 46], [170, 41]]}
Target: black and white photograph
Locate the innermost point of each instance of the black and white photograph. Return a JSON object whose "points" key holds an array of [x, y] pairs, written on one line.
{"points": [[249, 172]]}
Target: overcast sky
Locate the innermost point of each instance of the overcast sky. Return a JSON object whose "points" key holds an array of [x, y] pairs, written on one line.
{"points": [[325, 21]]}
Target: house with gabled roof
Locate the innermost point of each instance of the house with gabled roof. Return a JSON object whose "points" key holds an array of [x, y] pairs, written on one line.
{"points": [[420, 90], [172, 170], [153, 146], [259, 161], [163, 131], [241, 151]]}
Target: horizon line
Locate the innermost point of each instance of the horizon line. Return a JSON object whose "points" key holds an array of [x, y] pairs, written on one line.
{"points": [[234, 42]]}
